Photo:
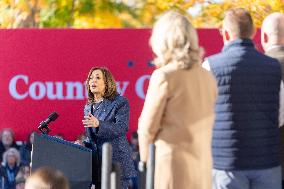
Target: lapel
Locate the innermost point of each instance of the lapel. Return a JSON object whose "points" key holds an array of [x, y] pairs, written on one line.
{"points": [[104, 110], [87, 109]]}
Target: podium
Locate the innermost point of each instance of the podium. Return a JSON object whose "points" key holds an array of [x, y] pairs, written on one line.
{"points": [[73, 160]]}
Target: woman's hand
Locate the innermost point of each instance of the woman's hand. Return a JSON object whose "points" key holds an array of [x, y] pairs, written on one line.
{"points": [[90, 121], [79, 142]]}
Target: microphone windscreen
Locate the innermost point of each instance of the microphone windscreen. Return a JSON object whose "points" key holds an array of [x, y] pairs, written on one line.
{"points": [[53, 116]]}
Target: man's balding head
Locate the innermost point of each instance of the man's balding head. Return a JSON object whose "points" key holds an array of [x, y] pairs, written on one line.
{"points": [[272, 30]]}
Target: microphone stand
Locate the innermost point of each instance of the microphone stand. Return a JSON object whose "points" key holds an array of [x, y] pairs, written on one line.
{"points": [[44, 129]]}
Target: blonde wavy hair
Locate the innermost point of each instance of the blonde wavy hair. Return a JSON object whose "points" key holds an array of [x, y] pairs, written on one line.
{"points": [[174, 40]]}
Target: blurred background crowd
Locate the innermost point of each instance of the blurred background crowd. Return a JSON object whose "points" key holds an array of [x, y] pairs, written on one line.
{"points": [[16, 157]]}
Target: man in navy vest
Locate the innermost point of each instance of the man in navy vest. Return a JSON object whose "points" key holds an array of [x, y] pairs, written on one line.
{"points": [[246, 136], [272, 40]]}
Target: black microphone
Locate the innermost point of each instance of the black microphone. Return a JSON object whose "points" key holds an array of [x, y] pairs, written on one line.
{"points": [[53, 116], [43, 126]]}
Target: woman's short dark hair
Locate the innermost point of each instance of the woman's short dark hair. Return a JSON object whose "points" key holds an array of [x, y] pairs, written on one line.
{"points": [[110, 85]]}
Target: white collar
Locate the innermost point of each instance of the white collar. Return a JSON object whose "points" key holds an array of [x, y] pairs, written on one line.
{"points": [[274, 47]]}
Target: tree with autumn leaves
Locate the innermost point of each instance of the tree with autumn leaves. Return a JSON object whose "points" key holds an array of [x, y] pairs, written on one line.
{"points": [[122, 13]]}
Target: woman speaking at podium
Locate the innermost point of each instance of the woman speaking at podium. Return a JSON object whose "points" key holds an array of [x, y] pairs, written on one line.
{"points": [[106, 119]]}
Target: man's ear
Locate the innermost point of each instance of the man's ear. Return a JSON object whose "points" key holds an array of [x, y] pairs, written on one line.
{"points": [[265, 37], [227, 35]]}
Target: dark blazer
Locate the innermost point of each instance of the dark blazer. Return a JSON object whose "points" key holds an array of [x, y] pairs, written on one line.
{"points": [[278, 53], [9, 182], [25, 152], [113, 116]]}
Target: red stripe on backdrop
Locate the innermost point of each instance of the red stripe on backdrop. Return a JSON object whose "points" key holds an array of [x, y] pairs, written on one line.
{"points": [[44, 71]]}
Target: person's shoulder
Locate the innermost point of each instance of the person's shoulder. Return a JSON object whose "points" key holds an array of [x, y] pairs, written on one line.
{"points": [[15, 145], [268, 59], [206, 73], [87, 109], [162, 69], [160, 74], [87, 106], [120, 99], [166, 70], [277, 53], [215, 56], [217, 60]]}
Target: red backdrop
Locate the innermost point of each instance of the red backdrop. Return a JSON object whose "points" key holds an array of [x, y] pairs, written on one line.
{"points": [[44, 71]]}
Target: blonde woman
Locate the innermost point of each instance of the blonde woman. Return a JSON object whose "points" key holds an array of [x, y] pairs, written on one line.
{"points": [[178, 112]]}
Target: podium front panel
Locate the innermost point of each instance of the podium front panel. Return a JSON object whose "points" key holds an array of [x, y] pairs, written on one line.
{"points": [[73, 160]]}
